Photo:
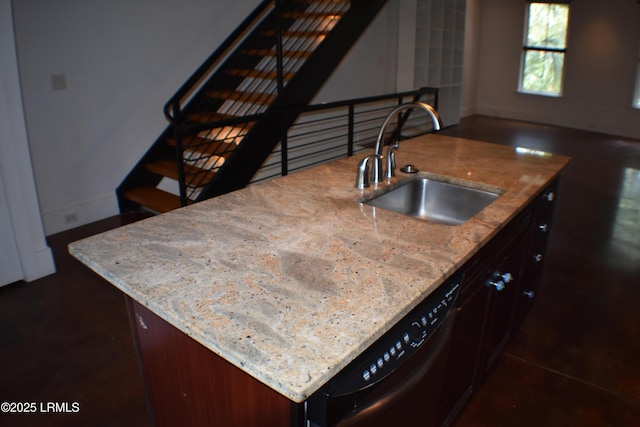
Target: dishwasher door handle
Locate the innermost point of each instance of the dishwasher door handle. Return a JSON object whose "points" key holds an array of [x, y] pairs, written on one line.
{"points": [[403, 387]]}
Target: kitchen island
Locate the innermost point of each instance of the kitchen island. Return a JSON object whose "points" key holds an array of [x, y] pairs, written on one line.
{"points": [[290, 280]]}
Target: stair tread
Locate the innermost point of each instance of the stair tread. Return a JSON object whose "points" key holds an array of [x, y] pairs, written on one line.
{"points": [[306, 15], [260, 74], [206, 117], [168, 168], [205, 145], [285, 53], [296, 33], [153, 198], [302, 38], [332, 1], [251, 97]]}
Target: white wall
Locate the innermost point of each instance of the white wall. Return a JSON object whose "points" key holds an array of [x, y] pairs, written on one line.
{"points": [[370, 66], [601, 63], [122, 60], [23, 249], [10, 268]]}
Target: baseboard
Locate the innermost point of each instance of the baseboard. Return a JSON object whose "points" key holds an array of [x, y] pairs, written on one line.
{"points": [[72, 216], [468, 111], [40, 264]]}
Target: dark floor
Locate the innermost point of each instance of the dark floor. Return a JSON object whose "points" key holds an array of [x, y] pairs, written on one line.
{"points": [[576, 359], [575, 362]]}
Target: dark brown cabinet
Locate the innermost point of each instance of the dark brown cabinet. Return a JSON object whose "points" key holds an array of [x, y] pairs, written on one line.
{"points": [[483, 314], [534, 259], [502, 280], [500, 285], [461, 360], [187, 384]]}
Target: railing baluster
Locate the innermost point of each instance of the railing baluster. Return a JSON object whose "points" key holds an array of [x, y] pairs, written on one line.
{"points": [[284, 150], [279, 69], [351, 126], [220, 130], [180, 162]]}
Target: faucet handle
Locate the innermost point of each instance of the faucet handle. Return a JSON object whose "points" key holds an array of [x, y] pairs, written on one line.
{"points": [[391, 160], [362, 175]]}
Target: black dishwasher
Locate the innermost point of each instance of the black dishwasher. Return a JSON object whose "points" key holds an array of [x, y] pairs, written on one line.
{"points": [[398, 379]]}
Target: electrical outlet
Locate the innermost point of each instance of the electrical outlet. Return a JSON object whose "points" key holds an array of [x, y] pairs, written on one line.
{"points": [[70, 218], [58, 82]]}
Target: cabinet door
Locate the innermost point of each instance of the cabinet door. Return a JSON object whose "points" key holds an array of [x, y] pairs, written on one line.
{"points": [[536, 254], [463, 355], [188, 385], [503, 281]]}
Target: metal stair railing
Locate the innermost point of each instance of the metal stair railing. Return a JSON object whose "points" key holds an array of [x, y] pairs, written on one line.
{"points": [[173, 108], [294, 29], [322, 133], [326, 132]]}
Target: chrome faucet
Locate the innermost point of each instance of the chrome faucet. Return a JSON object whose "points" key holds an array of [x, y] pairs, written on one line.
{"points": [[390, 171], [377, 162], [362, 177]]}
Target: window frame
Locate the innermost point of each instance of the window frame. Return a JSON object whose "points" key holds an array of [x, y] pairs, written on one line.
{"points": [[545, 49]]}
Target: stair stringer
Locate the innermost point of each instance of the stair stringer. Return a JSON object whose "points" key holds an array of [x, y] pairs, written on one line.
{"points": [[247, 158]]}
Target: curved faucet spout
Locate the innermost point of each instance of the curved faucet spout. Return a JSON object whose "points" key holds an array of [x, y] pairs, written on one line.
{"points": [[377, 164]]}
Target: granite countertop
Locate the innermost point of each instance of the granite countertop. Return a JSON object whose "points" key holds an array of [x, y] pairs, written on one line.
{"points": [[291, 279]]}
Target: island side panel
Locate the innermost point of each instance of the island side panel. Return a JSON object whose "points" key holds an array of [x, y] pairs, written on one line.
{"points": [[187, 384]]}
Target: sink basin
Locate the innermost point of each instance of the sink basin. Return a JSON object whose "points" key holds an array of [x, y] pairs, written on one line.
{"points": [[435, 200]]}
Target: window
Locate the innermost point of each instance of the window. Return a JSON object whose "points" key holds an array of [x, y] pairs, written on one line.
{"points": [[545, 46]]}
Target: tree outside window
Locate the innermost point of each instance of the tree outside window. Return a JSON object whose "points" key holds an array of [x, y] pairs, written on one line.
{"points": [[545, 46]]}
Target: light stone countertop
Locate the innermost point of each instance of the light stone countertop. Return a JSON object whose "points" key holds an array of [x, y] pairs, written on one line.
{"points": [[291, 279]]}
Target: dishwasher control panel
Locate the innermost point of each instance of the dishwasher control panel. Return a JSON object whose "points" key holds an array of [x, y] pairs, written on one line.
{"points": [[399, 343]]}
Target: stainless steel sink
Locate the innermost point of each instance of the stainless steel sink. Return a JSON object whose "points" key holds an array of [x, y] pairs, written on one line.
{"points": [[435, 200]]}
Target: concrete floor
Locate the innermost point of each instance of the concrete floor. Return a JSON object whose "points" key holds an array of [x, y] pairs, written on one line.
{"points": [[574, 362]]}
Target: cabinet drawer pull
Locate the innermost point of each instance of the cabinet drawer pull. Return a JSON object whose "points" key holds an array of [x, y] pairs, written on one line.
{"points": [[499, 285], [543, 227], [529, 294], [537, 257], [499, 280], [549, 196], [141, 322]]}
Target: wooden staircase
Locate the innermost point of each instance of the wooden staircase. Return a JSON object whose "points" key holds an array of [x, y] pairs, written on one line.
{"points": [[222, 121]]}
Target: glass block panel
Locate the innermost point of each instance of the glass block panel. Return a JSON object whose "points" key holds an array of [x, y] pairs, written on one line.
{"points": [[636, 98]]}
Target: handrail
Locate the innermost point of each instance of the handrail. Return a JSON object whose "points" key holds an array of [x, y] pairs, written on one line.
{"points": [[365, 100], [319, 136], [217, 110], [276, 112], [201, 79], [229, 93], [173, 105], [220, 135]]}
